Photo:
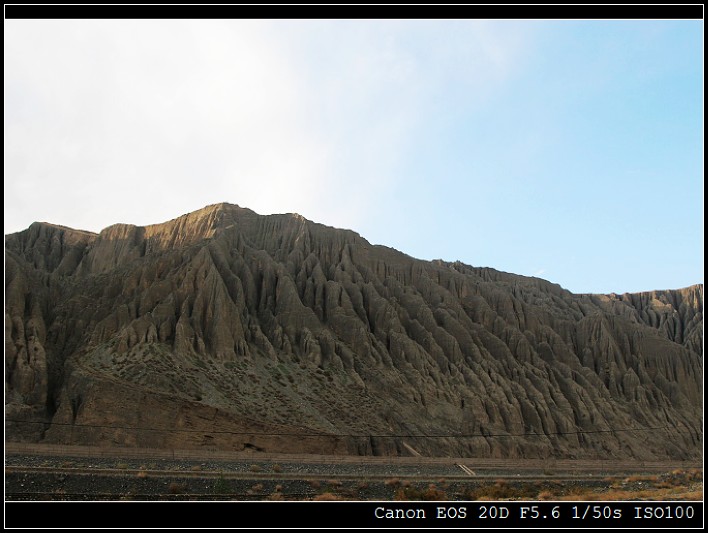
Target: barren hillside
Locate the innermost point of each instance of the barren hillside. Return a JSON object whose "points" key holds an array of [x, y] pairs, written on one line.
{"points": [[224, 328]]}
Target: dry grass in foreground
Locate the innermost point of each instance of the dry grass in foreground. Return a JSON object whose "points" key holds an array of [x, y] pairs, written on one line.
{"points": [[676, 485]]}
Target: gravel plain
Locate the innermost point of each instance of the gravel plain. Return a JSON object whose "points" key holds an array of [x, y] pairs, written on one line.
{"points": [[48, 477]]}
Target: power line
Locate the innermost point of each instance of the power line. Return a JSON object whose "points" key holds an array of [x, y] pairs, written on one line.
{"points": [[295, 434]]}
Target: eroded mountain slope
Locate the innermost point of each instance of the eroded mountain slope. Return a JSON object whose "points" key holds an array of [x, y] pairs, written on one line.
{"points": [[229, 329]]}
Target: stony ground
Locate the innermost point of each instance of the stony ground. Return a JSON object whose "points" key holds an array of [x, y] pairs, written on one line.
{"points": [[37, 477]]}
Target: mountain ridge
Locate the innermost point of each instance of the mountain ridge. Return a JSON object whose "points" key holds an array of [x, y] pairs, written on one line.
{"points": [[223, 318]]}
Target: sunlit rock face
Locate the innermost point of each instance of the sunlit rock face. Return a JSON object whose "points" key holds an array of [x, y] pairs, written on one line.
{"points": [[231, 330]]}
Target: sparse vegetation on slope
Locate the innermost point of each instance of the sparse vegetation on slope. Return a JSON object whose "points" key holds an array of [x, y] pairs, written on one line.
{"points": [[225, 329]]}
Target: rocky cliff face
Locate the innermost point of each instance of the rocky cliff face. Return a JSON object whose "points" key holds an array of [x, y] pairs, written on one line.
{"points": [[228, 329]]}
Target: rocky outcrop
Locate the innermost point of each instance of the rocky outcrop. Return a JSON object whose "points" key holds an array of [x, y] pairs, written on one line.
{"points": [[677, 314], [228, 329]]}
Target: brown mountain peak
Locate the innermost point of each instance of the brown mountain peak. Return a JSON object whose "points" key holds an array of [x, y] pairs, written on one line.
{"points": [[271, 327]]}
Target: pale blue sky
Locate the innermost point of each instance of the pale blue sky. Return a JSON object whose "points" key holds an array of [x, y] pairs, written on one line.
{"points": [[568, 150]]}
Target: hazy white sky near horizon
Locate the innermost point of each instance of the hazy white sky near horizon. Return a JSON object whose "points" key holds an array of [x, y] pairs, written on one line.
{"points": [[568, 150]]}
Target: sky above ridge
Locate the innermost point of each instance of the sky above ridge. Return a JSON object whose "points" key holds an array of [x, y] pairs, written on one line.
{"points": [[566, 150]]}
